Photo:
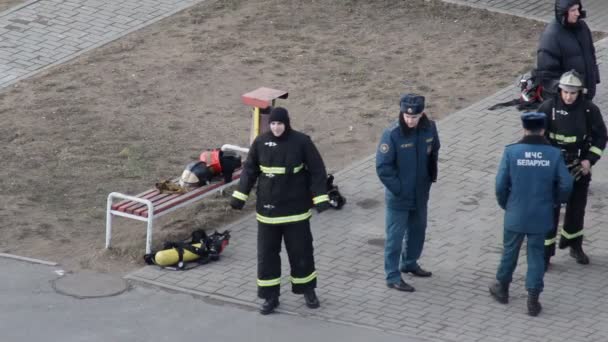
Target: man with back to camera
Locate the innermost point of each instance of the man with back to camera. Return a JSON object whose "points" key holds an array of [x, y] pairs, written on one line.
{"points": [[532, 178]]}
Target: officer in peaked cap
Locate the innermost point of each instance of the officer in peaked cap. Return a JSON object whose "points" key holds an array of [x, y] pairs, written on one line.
{"points": [[406, 163], [525, 188]]}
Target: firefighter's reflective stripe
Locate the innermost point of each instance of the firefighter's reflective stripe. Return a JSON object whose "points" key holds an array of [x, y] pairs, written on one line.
{"points": [[319, 199], [549, 242], [563, 138], [277, 170], [304, 280], [596, 150], [284, 219], [572, 236], [269, 282], [240, 195]]}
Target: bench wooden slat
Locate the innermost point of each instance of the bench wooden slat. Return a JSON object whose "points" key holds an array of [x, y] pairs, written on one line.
{"points": [[133, 209], [120, 206], [187, 196], [156, 202]]}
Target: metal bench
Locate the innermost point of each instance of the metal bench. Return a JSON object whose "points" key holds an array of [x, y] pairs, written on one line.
{"points": [[152, 204]]}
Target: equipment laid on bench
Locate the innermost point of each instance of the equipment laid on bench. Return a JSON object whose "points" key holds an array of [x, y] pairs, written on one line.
{"points": [[201, 248], [168, 195]]}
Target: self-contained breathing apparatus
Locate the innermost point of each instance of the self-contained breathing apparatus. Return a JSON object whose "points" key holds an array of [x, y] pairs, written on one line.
{"points": [[202, 249]]}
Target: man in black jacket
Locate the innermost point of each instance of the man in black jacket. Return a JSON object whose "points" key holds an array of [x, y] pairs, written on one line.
{"points": [[291, 179], [567, 44], [575, 125]]}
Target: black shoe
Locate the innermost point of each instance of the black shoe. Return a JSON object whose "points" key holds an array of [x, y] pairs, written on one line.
{"points": [[312, 302], [547, 263], [500, 292], [401, 286], [269, 305], [419, 272], [534, 307], [578, 254]]}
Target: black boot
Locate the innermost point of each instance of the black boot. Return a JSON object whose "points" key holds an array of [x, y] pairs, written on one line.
{"points": [[269, 305], [500, 292], [534, 307], [577, 253], [311, 299]]}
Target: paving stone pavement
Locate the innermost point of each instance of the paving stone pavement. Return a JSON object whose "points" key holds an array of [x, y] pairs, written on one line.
{"points": [[462, 249], [597, 10], [465, 224], [39, 34]]}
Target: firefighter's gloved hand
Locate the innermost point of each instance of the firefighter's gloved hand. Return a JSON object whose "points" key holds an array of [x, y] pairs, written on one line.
{"points": [[577, 172], [322, 206], [236, 203]]}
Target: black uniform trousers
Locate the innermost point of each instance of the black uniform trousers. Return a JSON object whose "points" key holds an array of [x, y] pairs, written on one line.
{"points": [[298, 243], [572, 234]]}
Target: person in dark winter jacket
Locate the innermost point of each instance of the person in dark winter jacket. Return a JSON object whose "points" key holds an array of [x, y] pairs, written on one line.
{"points": [[291, 179], [567, 44], [532, 179], [406, 163]]}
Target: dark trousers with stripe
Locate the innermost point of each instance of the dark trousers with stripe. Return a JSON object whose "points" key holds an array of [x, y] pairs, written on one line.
{"points": [[574, 219], [298, 243]]}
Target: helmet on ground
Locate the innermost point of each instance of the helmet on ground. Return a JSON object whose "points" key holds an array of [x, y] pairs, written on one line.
{"points": [[196, 174]]}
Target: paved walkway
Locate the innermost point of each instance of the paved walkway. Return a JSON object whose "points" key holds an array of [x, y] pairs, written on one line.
{"points": [[597, 10], [464, 234], [462, 249], [43, 33]]}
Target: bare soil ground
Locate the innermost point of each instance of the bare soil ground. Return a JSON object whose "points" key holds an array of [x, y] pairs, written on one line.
{"points": [[7, 4], [139, 109]]}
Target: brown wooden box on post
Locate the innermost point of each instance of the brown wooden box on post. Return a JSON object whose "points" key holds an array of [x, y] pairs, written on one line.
{"points": [[262, 100]]}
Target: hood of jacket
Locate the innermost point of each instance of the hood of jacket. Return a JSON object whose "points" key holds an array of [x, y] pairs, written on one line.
{"points": [[561, 10]]}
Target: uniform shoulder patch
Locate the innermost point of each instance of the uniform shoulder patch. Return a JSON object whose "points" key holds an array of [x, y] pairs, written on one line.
{"points": [[384, 148]]}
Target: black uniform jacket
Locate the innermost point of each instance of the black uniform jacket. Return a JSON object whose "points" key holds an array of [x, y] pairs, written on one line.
{"points": [[578, 129], [291, 177]]}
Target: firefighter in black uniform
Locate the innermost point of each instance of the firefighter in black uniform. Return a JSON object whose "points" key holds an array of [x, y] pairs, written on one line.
{"points": [[292, 178], [576, 126]]}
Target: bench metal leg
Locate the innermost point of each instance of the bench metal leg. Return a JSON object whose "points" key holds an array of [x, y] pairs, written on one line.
{"points": [[110, 213]]}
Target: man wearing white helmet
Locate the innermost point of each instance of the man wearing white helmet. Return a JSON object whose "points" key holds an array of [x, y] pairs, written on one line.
{"points": [[575, 125]]}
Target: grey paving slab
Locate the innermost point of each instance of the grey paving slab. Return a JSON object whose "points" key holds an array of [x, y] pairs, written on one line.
{"points": [[542, 9], [43, 33], [462, 248]]}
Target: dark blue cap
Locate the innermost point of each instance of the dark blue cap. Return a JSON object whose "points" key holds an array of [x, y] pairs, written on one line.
{"points": [[411, 104], [533, 120]]}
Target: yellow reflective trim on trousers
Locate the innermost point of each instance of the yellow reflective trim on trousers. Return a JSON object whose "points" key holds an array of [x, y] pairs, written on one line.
{"points": [[549, 242], [572, 236], [596, 150], [564, 138], [319, 199], [269, 282], [304, 280], [240, 195], [284, 219], [272, 169], [298, 168]]}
